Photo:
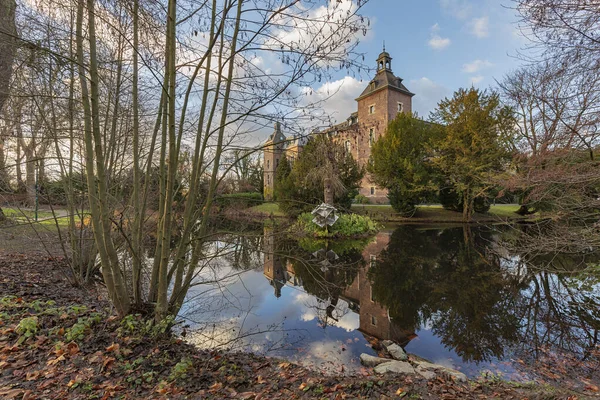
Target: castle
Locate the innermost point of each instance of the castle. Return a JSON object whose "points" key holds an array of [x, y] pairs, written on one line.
{"points": [[384, 97]]}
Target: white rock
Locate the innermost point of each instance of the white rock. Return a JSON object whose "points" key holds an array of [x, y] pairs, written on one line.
{"points": [[427, 374], [427, 366], [457, 375], [371, 361], [397, 352], [398, 367]]}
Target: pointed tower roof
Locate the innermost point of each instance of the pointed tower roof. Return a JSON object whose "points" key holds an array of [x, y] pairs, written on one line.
{"points": [[277, 136], [384, 78]]}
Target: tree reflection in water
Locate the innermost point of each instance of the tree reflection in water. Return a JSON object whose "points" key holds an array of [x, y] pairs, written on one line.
{"points": [[466, 291], [480, 300]]}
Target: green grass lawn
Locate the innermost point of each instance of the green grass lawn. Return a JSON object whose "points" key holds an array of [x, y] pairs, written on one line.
{"points": [[267, 208], [12, 212], [426, 212], [435, 212], [45, 217]]}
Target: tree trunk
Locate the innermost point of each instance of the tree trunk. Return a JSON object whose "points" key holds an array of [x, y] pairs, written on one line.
{"points": [[30, 175], [467, 205], [328, 191], [8, 31]]}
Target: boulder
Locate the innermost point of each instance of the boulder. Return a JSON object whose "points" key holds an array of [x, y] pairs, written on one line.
{"points": [[394, 366], [427, 366], [372, 361], [396, 352], [425, 373], [457, 375]]}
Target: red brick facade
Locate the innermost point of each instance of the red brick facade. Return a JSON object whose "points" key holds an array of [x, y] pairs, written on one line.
{"points": [[383, 98]]}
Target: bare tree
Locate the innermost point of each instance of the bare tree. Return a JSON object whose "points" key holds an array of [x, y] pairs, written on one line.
{"points": [[8, 33], [556, 97]]}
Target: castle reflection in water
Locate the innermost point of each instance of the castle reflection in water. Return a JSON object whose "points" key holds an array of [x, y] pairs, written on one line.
{"points": [[374, 319]]}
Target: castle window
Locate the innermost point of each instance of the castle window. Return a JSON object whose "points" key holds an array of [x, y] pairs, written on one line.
{"points": [[371, 109], [268, 179], [400, 107], [268, 164], [373, 320], [348, 146], [373, 260], [371, 136], [276, 162], [371, 295], [372, 190]]}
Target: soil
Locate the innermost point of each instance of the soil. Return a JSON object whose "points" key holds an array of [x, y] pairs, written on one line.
{"points": [[58, 341]]}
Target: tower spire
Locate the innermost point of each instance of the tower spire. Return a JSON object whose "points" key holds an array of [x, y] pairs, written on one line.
{"points": [[384, 45]]}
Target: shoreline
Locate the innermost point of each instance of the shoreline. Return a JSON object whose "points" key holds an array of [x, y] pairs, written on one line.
{"points": [[79, 350]]}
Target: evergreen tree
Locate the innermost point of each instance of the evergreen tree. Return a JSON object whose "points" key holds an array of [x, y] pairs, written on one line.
{"points": [[473, 149], [281, 178], [399, 161]]}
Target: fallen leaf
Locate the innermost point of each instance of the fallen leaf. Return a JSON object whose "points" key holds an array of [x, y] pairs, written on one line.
{"points": [[113, 347], [11, 393], [56, 360], [73, 348]]}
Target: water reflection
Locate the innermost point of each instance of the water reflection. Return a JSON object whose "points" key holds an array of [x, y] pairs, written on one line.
{"points": [[455, 296]]}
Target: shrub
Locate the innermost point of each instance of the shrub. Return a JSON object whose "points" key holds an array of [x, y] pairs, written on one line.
{"points": [[361, 199], [348, 225], [401, 201], [239, 200], [452, 201]]}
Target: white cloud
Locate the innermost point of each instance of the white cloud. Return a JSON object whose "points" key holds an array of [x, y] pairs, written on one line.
{"points": [[337, 97], [428, 95], [460, 9], [437, 42], [475, 66], [476, 79], [480, 27]]}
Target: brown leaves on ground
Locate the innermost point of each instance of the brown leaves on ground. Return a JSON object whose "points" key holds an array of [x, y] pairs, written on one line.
{"points": [[82, 352]]}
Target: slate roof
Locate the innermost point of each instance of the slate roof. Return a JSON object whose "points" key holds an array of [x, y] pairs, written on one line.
{"points": [[277, 135], [385, 78]]}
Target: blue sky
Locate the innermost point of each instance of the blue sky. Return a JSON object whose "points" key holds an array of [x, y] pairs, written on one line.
{"points": [[437, 47]]}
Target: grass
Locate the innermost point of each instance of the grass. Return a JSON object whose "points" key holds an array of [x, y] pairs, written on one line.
{"points": [[20, 214], [267, 208], [424, 213], [437, 213], [347, 226]]}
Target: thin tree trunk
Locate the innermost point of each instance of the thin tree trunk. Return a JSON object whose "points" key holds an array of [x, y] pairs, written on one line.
{"points": [[163, 284]]}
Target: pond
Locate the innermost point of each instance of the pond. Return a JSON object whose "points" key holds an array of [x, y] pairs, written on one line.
{"points": [[459, 296]]}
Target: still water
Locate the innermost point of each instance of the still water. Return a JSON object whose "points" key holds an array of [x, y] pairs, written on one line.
{"points": [[462, 297]]}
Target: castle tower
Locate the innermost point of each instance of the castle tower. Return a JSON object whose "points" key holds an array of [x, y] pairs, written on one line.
{"points": [[384, 97], [272, 263], [273, 152]]}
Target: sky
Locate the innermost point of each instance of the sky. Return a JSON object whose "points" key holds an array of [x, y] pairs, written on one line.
{"points": [[437, 46]]}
